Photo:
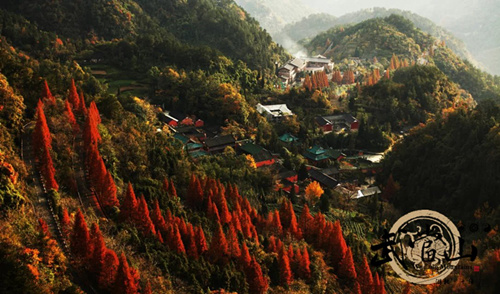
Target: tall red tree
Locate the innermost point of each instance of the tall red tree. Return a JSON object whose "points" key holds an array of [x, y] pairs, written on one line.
{"points": [[125, 282], [305, 264], [194, 196], [218, 247], [337, 241], [176, 241], [80, 239], [108, 192], [257, 283], [346, 269], [172, 192], [365, 277], [201, 242], [305, 219], [232, 241], [285, 270], [109, 269], [98, 249], [83, 106], [157, 217], [73, 97], [48, 171], [65, 223], [143, 220], [47, 95], [129, 208], [71, 118]]}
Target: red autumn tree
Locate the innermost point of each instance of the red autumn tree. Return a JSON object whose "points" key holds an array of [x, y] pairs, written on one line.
{"points": [[212, 210], [390, 189], [65, 223], [407, 289], [48, 171], [305, 219], [201, 242], [43, 227], [83, 107], [128, 209], [80, 239], [194, 196], [157, 217], [108, 192], [220, 201], [47, 95], [285, 270], [387, 73], [337, 241], [305, 264], [109, 269], [275, 222], [125, 282], [73, 97], [172, 192], [176, 241], [365, 278], [346, 269], [218, 246], [256, 281], [245, 257], [165, 185], [71, 118], [41, 135], [94, 113], [232, 241], [144, 222], [192, 249], [98, 249]]}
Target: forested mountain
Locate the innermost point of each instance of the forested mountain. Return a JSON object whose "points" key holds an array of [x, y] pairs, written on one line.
{"points": [[310, 26], [153, 28], [134, 159], [273, 15], [382, 37]]}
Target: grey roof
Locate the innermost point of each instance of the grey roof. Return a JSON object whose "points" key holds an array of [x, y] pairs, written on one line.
{"points": [[297, 62], [220, 141], [288, 67], [368, 192], [318, 60], [323, 179]]}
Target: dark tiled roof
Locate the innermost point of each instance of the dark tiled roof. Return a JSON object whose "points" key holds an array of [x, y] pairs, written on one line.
{"points": [[251, 148], [323, 179], [264, 155], [220, 141], [321, 121], [347, 117]]}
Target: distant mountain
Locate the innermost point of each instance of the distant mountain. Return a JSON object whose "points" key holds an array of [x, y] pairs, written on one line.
{"points": [[383, 37], [480, 30], [312, 25], [273, 15]]}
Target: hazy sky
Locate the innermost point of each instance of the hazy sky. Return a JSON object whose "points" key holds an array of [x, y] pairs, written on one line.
{"points": [[440, 11]]}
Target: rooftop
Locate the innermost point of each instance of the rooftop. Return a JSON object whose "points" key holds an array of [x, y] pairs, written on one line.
{"points": [[274, 109], [288, 138], [323, 179], [219, 141]]}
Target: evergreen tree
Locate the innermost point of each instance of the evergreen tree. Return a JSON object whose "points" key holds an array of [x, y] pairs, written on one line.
{"points": [[98, 249], [129, 208], [109, 192], [71, 118], [194, 196], [201, 241], [125, 282], [285, 271], [258, 284], [73, 97], [365, 278], [143, 220], [109, 270], [218, 247], [47, 95], [346, 268], [80, 239]]}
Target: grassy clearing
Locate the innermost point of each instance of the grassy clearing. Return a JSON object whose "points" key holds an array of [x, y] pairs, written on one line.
{"points": [[117, 80]]}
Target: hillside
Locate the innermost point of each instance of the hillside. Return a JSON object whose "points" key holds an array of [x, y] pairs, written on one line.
{"points": [[313, 24], [396, 35], [202, 23], [134, 158]]}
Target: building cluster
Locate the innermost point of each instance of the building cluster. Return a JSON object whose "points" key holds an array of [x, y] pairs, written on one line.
{"points": [[201, 140], [290, 72]]}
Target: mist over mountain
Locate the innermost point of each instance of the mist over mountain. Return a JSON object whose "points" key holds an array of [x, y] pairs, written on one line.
{"points": [[474, 22]]}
